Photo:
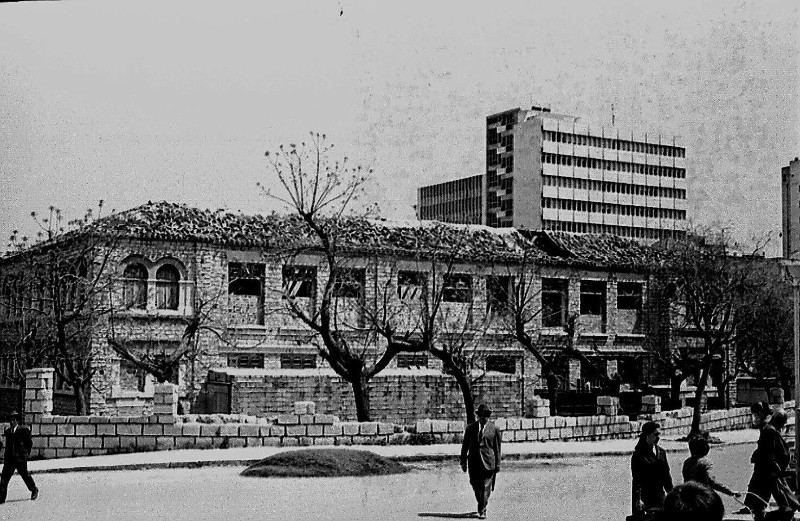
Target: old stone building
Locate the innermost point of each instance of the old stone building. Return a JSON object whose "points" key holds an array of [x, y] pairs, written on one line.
{"points": [[162, 276]]}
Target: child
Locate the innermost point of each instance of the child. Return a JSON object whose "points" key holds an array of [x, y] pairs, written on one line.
{"points": [[698, 468]]}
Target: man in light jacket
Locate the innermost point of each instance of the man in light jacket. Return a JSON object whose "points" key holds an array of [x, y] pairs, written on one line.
{"points": [[480, 453]]}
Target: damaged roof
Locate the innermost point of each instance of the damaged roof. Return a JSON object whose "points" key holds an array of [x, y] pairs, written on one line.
{"points": [[165, 221]]}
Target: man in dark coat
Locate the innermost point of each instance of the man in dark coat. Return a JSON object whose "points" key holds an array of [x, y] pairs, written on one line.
{"points": [[18, 448], [651, 479], [480, 452]]}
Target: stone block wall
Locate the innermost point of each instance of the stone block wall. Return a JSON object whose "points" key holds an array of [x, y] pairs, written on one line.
{"points": [[395, 396], [71, 436]]}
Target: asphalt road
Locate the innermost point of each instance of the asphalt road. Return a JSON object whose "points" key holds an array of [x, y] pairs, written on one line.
{"points": [[568, 489]]}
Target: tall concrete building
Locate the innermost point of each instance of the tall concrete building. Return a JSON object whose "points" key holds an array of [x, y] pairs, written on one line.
{"points": [[790, 198], [549, 171], [459, 201]]}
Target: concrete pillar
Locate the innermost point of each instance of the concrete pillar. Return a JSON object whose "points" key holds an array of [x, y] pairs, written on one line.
{"points": [[537, 407], [38, 393], [651, 404], [608, 405], [165, 402], [574, 373]]}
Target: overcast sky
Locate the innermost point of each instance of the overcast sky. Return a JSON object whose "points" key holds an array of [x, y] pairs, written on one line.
{"points": [[137, 101]]}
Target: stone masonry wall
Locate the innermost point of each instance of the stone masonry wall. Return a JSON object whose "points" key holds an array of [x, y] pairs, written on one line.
{"points": [[70, 436], [399, 398]]}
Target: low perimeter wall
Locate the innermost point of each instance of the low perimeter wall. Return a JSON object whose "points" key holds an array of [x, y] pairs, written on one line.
{"points": [[69, 436]]}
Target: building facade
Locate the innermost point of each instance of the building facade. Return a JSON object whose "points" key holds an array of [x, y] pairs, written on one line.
{"points": [[547, 171], [790, 206], [459, 201], [171, 266]]}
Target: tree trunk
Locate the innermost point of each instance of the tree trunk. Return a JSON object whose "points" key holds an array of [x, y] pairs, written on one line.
{"points": [[675, 382], [466, 393], [360, 387], [698, 399], [81, 406], [552, 392]]}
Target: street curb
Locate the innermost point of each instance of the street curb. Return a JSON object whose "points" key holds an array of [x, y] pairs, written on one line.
{"points": [[413, 458]]}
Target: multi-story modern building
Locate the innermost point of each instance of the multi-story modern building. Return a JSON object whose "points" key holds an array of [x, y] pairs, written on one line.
{"points": [[549, 171], [459, 201], [790, 198]]}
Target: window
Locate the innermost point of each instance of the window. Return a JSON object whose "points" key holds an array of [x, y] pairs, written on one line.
{"points": [[501, 364], [411, 284], [408, 360], [349, 283], [167, 287], [300, 281], [134, 286], [131, 376], [298, 361], [245, 279], [593, 297], [457, 288], [554, 302], [499, 293], [246, 360], [629, 295]]}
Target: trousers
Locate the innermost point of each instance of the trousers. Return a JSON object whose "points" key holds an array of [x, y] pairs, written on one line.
{"points": [[8, 470]]}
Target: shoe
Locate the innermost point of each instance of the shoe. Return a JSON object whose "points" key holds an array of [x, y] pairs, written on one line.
{"points": [[482, 515], [34, 494]]}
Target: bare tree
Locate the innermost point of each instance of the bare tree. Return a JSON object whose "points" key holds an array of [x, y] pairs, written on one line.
{"points": [[431, 309], [320, 191], [714, 291], [66, 274], [526, 313]]}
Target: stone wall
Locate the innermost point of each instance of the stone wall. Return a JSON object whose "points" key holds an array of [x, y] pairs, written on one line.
{"points": [[395, 396], [70, 436]]}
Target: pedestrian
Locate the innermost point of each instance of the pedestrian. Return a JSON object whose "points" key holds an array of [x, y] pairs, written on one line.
{"points": [[650, 475], [692, 501], [480, 453], [18, 448], [770, 460], [697, 466]]}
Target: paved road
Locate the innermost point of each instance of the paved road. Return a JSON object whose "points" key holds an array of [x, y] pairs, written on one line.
{"points": [[568, 489]]}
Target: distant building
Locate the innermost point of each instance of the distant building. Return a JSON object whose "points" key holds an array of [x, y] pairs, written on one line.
{"points": [[790, 192], [548, 171], [459, 201]]}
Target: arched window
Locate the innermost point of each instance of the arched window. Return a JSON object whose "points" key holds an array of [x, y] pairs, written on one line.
{"points": [[134, 286], [167, 287]]}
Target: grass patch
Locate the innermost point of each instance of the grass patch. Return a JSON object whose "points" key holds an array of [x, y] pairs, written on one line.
{"points": [[324, 463]]}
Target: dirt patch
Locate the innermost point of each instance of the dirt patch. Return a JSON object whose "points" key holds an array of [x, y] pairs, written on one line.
{"points": [[324, 463]]}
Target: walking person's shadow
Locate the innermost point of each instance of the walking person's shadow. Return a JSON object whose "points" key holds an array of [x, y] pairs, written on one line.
{"points": [[465, 515]]}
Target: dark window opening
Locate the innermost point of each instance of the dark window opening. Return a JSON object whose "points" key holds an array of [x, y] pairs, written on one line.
{"points": [[629, 295], [411, 284], [246, 360], [457, 288], [349, 283], [499, 293], [501, 364], [408, 360], [593, 297], [298, 361], [300, 281], [245, 279], [554, 302]]}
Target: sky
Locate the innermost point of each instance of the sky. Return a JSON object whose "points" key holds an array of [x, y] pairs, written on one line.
{"points": [[131, 102]]}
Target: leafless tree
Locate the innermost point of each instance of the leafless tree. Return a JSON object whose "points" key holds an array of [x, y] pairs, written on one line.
{"points": [[712, 291], [66, 272], [321, 192]]}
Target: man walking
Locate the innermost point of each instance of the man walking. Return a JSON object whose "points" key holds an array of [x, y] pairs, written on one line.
{"points": [[480, 452], [18, 448]]}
